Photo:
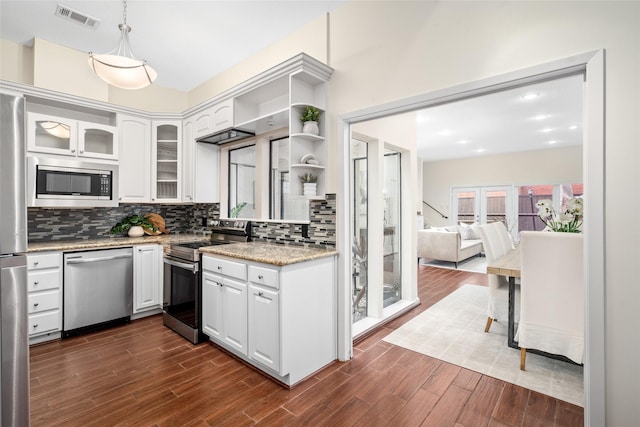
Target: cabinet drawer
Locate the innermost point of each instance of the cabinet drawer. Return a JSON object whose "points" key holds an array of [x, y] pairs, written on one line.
{"points": [[44, 322], [264, 276], [43, 301], [233, 269], [43, 280], [42, 261]]}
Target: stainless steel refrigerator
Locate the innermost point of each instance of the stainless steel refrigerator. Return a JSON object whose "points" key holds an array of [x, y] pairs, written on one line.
{"points": [[14, 338]]}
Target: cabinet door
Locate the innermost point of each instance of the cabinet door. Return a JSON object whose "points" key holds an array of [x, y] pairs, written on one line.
{"points": [[188, 170], [223, 115], [235, 315], [212, 305], [49, 134], [135, 159], [166, 152], [264, 327], [97, 141], [147, 283]]}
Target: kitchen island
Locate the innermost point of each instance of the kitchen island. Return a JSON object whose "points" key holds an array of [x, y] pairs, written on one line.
{"points": [[272, 305]]}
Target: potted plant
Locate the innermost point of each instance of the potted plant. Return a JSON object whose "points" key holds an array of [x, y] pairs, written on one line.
{"points": [[133, 225], [309, 119], [309, 183]]}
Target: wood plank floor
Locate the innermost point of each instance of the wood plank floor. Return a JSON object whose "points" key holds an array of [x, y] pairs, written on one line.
{"points": [[143, 374]]}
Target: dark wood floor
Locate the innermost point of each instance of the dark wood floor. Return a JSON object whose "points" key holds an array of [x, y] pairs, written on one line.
{"points": [[143, 374]]}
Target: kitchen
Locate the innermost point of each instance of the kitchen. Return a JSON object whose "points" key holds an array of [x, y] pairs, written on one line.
{"points": [[372, 69], [84, 273]]}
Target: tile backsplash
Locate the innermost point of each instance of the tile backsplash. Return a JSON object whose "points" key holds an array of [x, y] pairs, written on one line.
{"points": [[51, 224]]}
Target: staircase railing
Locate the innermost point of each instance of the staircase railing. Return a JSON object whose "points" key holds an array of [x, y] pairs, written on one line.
{"points": [[439, 213]]}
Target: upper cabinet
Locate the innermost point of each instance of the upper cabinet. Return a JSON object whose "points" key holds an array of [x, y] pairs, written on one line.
{"points": [[166, 155], [71, 138], [213, 119], [135, 159], [200, 166]]}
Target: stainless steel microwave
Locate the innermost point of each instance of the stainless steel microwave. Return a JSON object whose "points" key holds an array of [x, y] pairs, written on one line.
{"points": [[71, 183]]}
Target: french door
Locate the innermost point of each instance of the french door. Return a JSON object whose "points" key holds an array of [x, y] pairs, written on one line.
{"points": [[483, 205]]}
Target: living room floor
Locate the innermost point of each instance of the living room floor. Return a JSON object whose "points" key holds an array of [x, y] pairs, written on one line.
{"points": [[145, 374]]}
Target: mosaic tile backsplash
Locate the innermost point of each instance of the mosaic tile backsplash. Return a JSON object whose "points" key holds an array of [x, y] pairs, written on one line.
{"points": [[51, 224]]}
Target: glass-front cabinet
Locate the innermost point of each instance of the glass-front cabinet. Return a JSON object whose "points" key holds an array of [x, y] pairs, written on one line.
{"points": [[68, 137], [166, 165]]}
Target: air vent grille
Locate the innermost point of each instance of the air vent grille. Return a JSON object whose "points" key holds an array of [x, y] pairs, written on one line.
{"points": [[83, 19]]}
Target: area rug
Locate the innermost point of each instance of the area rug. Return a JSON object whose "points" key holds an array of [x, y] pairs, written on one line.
{"points": [[474, 264], [453, 330]]}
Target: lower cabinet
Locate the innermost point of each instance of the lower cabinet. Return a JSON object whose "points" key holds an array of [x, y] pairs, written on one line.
{"points": [[147, 279], [279, 319], [44, 296]]}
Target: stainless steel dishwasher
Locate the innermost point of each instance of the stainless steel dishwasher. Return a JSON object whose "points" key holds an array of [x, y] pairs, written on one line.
{"points": [[98, 289]]}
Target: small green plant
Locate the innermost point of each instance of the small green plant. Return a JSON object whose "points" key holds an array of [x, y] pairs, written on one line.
{"points": [[310, 114], [235, 211], [129, 221], [308, 177]]}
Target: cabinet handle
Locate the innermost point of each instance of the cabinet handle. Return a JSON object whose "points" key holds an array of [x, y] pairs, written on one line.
{"points": [[81, 151], [260, 294], [36, 262], [73, 150], [219, 267], [36, 282], [260, 276], [35, 304], [35, 325]]}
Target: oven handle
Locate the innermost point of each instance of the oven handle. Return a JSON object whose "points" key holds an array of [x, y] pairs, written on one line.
{"points": [[187, 266]]}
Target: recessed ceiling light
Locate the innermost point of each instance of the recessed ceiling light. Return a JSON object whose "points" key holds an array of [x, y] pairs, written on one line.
{"points": [[546, 130], [553, 141], [463, 141], [529, 96], [573, 127], [540, 117], [480, 150]]}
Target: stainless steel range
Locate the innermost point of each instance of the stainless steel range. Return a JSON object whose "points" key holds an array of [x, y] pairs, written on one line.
{"points": [[182, 306]]}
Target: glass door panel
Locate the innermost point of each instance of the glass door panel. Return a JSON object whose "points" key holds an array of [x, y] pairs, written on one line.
{"points": [[466, 205], [392, 289], [359, 207]]}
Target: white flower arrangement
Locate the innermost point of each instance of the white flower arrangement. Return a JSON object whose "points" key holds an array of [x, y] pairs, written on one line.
{"points": [[568, 220]]}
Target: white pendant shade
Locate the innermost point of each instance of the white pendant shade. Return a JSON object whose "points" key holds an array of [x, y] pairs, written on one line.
{"points": [[119, 67], [122, 71]]}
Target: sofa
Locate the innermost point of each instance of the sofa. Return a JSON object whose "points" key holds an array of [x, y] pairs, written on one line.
{"points": [[453, 244]]}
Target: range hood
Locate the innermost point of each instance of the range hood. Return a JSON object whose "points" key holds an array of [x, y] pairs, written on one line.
{"points": [[226, 136]]}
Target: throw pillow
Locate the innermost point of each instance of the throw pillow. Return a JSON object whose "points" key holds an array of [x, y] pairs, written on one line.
{"points": [[469, 232]]}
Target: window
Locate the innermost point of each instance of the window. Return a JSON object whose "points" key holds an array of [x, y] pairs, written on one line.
{"points": [[529, 195], [279, 193], [242, 182]]}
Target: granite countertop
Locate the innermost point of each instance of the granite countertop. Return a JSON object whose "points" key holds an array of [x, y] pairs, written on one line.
{"points": [[108, 242], [268, 253]]}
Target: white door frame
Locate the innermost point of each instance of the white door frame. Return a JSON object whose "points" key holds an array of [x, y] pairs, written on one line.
{"points": [[592, 64]]}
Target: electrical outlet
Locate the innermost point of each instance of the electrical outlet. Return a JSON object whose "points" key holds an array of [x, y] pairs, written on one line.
{"points": [[204, 221]]}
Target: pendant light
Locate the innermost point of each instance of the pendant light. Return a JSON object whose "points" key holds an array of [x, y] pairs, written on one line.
{"points": [[119, 67]]}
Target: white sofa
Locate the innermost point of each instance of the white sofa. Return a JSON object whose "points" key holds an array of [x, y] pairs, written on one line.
{"points": [[443, 245]]}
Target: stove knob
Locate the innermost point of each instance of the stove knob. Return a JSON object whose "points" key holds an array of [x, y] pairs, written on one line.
{"points": [[240, 224], [235, 224]]}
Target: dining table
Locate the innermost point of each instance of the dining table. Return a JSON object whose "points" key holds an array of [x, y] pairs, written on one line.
{"points": [[508, 265]]}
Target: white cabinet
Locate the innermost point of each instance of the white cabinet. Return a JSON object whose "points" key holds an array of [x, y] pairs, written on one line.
{"points": [[72, 138], [224, 302], [135, 160], [166, 155], [44, 296], [213, 119], [264, 326], [147, 278], [200, 168], [280, 319]]}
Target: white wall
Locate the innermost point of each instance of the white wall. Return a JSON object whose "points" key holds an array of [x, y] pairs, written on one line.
{"points": [[555, 166]]}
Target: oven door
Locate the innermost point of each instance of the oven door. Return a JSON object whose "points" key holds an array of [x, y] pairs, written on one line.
{"points": [[181, 296]]}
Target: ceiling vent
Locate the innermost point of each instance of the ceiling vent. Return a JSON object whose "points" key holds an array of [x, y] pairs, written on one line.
{"points": [[69, 14]]}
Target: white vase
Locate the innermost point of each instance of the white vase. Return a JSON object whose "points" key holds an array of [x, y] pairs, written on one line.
{"points": [[310, 127], [136, 231], [309, 189]]}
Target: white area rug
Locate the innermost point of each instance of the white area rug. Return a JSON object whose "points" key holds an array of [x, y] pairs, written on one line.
{"points": [[453, 330], [474, 264]]}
